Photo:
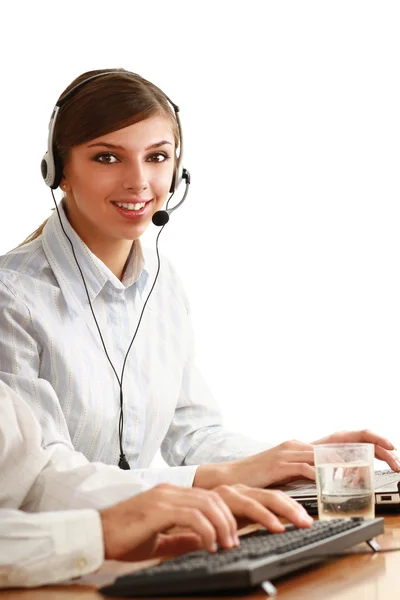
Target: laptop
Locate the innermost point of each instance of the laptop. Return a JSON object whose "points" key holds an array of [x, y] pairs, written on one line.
{"points": [[387, 492]]}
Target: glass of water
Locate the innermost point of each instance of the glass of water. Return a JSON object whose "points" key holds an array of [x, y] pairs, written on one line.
{"points": [[345, 480]]}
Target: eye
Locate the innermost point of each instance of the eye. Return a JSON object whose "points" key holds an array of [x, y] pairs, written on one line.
{"points": [[158, 157], [106, 158]]}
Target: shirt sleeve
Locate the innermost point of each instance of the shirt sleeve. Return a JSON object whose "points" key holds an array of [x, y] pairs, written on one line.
{"points": [[20, 367], [20, 357], [196, 434], [56, 477], [48, 547]]}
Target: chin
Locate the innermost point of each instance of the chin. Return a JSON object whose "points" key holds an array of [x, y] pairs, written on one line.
{"points": [[131, 236]]}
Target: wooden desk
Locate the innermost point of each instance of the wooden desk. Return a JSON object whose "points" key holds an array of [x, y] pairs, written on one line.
{"points": [[372, 577]]}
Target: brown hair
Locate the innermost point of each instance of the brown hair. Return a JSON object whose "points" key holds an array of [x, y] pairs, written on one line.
{"points": [[104, 105]]}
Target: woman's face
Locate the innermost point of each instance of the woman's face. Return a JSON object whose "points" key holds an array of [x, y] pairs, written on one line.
{"points": [[115, 183]]}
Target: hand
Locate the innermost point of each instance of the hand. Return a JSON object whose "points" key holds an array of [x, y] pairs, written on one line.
{"points": [[131, 529], [278, 465], [287, 462], [171, 520], [252, 505], [258, 506], [383, 448]]}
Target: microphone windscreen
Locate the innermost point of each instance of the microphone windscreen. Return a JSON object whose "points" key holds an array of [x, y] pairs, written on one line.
{"points": [[160, 218]]}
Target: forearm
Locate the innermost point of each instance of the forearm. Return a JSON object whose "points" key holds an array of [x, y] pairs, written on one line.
{"points": [[48, 548], [248, 471], [226, 473], [210, 476], [69, 481]]}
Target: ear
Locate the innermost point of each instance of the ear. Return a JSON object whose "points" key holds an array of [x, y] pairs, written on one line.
{"points": [[64, 185]]}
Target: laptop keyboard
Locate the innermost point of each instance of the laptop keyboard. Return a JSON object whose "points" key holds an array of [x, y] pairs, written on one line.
{"points": [[385, 477], [260, 556]]}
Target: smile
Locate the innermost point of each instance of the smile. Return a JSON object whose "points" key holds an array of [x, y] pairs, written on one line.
{"points": [[130, 205]]}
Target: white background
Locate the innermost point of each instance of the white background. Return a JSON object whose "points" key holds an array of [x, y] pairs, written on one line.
{"points": [[288, 244]]}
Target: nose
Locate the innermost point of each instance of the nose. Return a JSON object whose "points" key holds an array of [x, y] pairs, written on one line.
{"points": [[135, 177]]}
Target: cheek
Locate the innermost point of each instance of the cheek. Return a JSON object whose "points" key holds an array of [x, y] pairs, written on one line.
{"points": [[91, 185], [162, 184]]}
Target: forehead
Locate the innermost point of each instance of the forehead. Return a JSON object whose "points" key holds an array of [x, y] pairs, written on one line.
{"points": [[138, 136]]}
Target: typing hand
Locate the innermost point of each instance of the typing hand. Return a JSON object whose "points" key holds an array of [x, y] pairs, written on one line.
{"points": [[131, 529]]}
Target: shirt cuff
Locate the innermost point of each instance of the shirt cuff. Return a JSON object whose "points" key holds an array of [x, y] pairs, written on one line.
{"points": [[183, 476], [74, 547]]}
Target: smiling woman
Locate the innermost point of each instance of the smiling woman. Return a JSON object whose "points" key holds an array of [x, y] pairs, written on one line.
{"points": [[114, 184], [73, 298]]}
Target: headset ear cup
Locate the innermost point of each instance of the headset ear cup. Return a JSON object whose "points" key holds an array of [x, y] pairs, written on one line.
{"points": [[50, 171], [58, 172], [44, 167]]}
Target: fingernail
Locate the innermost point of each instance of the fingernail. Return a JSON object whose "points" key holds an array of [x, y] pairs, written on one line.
{"points": [[237, 540], [214, 547]]}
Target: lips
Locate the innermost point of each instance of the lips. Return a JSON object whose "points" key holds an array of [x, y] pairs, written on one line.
{"points": [[130, 204], [131, 210]]}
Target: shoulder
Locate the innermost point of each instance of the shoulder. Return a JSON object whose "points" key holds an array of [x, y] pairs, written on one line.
{"points": [[151, 262], [168, 274], [24, 263], [168, 282]]}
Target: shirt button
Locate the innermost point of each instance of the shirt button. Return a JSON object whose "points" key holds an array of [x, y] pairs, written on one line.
{"points": [[81, 563]]}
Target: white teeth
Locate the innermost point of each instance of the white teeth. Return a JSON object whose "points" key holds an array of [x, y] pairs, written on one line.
{"points": [[130, 205]]}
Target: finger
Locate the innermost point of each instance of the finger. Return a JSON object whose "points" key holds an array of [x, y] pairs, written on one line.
{"points": [[215, 510], [261, 504], [177, 530], [291, 472], [356, 477], [243, 505], [228, 514], [281, 504], [370, 437], [387, 457], [363, 436], [298, 470], [174, 545], [198, 523]]}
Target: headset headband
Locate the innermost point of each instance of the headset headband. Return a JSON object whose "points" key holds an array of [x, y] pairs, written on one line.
{"points": [[51, 166]]}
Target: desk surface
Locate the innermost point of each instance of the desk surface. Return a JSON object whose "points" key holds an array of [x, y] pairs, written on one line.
{"points": [[365, 577]]}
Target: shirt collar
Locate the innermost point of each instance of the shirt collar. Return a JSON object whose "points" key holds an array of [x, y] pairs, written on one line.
{"points": [[97, 275]]}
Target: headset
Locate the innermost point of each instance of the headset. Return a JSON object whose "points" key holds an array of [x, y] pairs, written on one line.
{"points": [[52, 173]]}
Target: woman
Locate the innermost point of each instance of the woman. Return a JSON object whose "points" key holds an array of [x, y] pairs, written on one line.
{"points": [[73, 296]]}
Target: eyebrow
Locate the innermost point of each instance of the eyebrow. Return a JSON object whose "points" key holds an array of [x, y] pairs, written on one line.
{"points": [[117, 147]]}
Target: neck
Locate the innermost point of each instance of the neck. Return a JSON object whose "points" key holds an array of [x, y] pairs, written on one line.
{"points": [[114, 256], [113, 253]]}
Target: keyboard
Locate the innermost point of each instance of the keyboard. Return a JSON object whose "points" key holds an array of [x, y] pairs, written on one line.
{"points": [[261, 557], [385, 478]]}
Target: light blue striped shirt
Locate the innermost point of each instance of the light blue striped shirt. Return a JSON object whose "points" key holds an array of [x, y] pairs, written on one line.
{"points": [[52, 356]]}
